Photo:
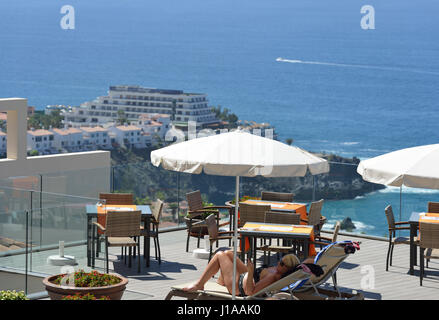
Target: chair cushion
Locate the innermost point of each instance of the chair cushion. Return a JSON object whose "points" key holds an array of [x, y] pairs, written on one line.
{"points": [[121, 242], [432, 254], [404, 240], [284, 249]]}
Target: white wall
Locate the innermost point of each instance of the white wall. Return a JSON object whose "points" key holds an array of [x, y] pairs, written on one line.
{"points": [[19, 164]]}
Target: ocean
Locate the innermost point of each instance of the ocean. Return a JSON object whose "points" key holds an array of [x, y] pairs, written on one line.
{"points": [[308, 68]]}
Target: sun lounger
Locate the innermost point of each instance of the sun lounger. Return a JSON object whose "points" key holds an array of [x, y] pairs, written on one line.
{"points": [[214, 291], [329, 258]]}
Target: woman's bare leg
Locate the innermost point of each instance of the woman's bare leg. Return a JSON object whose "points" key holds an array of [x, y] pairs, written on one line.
{"points": [[222, 261], [226, 267], [212, 268], [240, 268]]}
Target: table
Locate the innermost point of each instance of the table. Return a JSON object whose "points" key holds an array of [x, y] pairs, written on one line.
{"points": [[414, 226], [291, 207], [92, 213], [254, 230]]}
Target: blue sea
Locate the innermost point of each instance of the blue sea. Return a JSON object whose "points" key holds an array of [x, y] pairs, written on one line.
{"points": [[337, 88]]}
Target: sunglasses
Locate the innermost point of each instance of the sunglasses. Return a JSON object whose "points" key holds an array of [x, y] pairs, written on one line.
{"points": [[281, 263]]}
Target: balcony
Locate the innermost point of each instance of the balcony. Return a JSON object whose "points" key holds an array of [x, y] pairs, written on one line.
{"points": [[39, 211]]}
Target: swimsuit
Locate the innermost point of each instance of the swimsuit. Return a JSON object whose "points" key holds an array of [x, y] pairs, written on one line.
{"points": [[256, 277]]}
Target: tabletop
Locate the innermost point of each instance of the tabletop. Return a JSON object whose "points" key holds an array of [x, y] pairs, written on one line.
{"points": [[93, 209], [276, 230], [424, 216], [277, 205]]}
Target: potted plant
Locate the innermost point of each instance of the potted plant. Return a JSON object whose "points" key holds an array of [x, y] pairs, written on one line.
{"points": [[87, 296], [83, 283]]}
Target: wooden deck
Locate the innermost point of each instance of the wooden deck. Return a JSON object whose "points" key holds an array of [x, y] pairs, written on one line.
{"points": [[363, 271]]}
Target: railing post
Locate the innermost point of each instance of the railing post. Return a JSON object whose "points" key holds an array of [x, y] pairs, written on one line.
{"points": [[41, 210], [313, 188], [178, 198], [26, 252], [112, 179], [31, 224]]}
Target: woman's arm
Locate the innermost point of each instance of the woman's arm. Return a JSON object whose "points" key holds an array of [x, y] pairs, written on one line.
{"points": [[249, 284], [250, 287], [264, 282]]}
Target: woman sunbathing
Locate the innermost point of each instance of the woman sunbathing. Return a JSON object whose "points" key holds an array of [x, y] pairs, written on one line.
{"points": [[248, 280]]}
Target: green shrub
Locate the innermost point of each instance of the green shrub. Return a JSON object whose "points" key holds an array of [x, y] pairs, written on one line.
{"points": [[12, 295], [91, 279]]}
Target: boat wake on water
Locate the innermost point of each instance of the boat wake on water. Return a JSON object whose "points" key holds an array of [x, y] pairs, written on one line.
{"points": [[356, 66]]}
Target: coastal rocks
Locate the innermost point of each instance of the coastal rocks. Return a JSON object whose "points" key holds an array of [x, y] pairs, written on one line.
{"points": [[347, 224]]}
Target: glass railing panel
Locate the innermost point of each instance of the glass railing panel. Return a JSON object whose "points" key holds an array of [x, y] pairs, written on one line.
{"points": [[148, 183], [215, 190], [83, 183], [14, 200], [13, 247], [67, 223], [348, 198]]}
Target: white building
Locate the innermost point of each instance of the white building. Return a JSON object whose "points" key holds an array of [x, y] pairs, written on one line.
{"points": [[147, 140], [56, 107], [41, 140], [68, 139], [155, 124], [96, 138], [132, 101], [127, 136]]}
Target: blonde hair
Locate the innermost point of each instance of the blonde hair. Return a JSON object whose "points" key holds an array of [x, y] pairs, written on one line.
{"points": [[290, 260]]}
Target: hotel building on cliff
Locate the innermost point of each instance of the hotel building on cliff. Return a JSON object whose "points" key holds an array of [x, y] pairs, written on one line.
{"points": [[130, 102]]}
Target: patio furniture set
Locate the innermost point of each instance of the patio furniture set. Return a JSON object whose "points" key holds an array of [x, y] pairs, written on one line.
{"points": [[424, 233], [271, 213], [118, 222]]}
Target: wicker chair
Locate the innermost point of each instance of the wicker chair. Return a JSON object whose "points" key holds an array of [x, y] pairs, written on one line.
{"points": [[315, 217], [280, 218], [195, 215], [120, 227], [324, 241], [433, 207], [214, 234], [277, 196], [393, 240], [156, 210], [251, 213], [116, 198], [429, 240], [111, 199]]}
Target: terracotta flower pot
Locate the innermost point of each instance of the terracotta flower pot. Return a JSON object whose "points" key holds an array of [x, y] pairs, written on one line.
{"points": [[57, 292]]}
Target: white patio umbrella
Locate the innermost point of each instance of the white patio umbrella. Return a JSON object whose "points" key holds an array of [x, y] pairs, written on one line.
{"points": [[416, 167], [238, 153]]}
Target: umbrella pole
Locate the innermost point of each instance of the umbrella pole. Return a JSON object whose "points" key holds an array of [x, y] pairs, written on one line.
{"points": [[235, 238], [400, 206], [313, 188]]}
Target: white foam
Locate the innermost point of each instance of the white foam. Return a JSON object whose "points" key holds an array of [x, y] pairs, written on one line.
{"points": [[359, 226], [390, 189], [350, 143], [384, 68]]}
